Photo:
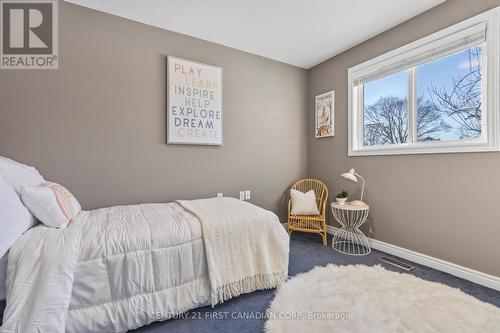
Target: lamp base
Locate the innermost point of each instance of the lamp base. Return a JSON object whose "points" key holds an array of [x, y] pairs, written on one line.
{"points": [[357, 203]]}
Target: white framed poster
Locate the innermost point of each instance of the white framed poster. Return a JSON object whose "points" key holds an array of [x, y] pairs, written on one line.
{"points": [[324, 115], [194, 103]]}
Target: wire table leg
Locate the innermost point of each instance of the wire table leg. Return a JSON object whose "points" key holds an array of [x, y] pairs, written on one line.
{"points": [[348, 239]]}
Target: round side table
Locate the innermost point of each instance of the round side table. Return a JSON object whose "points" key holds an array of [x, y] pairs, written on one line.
{"points": [[348, 238]]}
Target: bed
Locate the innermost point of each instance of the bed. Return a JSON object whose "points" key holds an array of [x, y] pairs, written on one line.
{"points": [[119, 268], [123, 267]]}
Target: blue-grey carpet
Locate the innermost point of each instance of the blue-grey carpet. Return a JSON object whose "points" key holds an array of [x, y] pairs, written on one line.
{"points": [[306, 252]]}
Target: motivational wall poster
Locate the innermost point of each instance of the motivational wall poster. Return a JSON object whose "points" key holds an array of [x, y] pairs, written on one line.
{"points": [[194, 113], [325, 112]]}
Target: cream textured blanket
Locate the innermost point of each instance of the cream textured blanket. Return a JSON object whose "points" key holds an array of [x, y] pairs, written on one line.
{"points": [[246, 246]]}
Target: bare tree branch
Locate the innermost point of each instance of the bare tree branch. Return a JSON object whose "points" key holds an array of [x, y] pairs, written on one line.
{"points": [[462, 102]]}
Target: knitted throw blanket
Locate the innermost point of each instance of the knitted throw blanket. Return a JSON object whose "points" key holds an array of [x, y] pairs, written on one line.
{"points": [[246, 246]]}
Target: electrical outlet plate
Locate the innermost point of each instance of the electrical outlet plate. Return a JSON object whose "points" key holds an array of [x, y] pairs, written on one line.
{"points": [[220, 195], [242, 195], [248, 195]]}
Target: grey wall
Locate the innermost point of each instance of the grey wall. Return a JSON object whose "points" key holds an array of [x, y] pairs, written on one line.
{"points": [[443, 205], [97, 124]]}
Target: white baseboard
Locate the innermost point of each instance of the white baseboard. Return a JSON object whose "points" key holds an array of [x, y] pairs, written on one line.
{"points": [[472, 275]]}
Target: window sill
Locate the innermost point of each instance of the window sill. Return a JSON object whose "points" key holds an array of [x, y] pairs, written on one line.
{"points": [[424, 148]]}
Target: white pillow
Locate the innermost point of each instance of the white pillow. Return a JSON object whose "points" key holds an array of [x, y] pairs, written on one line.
{"points": [[304, 203], [17, 174], [15, 219], [51, 203]]}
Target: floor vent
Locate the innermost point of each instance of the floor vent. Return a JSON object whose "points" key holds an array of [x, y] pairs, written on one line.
{"points": [[397, 263]]}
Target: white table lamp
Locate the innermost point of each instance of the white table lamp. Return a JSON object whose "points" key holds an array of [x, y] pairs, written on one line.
{"points": [[352, 175]]}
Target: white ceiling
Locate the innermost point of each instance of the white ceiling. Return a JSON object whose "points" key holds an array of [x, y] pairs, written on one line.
{"points": [[297, 32]]}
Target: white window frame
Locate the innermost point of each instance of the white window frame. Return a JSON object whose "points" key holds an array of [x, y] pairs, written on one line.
{"points": [[483, 29]]}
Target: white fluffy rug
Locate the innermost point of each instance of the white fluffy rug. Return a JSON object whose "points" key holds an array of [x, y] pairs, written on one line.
{"points": [[372, 299]]}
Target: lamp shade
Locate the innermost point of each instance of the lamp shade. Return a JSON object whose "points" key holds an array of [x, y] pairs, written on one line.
{"points": [[350, 176]]}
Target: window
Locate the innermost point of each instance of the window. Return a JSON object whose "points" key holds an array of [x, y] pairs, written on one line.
{"points": [[436, 95]]}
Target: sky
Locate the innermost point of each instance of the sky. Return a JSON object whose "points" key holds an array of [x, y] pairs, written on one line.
{"points": [[438, 73]]}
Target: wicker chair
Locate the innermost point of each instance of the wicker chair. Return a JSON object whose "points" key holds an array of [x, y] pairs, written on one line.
{"points": [[308, 223]]}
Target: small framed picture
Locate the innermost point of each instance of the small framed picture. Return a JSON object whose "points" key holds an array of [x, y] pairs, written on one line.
{"points": [[325, 113]]}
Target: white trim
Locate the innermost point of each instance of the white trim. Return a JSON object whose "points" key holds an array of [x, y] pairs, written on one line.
{"points": [[465, 273], [481, 29]]}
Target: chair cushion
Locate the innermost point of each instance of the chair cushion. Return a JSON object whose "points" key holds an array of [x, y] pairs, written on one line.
{"points": [[304, 203]]}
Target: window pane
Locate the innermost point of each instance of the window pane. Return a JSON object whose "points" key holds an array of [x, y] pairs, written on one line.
{"points": [[449, 97], [386, 110]]}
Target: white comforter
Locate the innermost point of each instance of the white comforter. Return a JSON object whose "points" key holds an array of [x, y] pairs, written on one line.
{"points": [[114, 269]]}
